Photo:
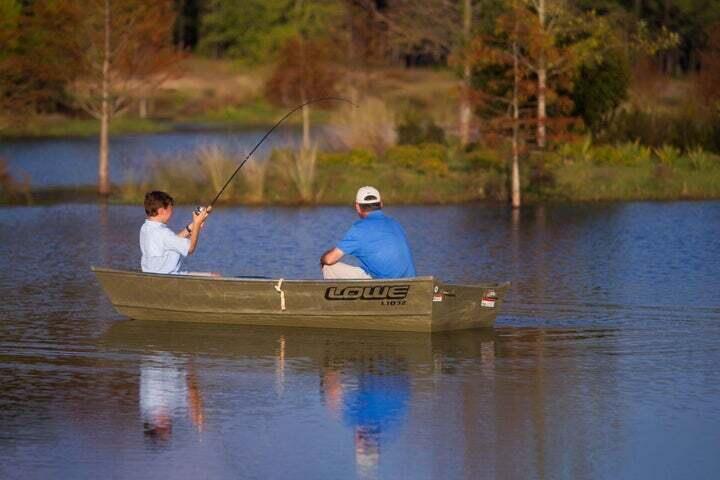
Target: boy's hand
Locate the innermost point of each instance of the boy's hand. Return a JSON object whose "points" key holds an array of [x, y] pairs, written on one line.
{"points": [[199, 217]]}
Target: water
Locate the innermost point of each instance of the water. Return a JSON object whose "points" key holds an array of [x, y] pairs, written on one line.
{"points": [[603, 364], [72, 162]]}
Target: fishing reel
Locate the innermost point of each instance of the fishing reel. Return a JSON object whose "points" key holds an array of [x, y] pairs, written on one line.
{"points": [[198, 210]]}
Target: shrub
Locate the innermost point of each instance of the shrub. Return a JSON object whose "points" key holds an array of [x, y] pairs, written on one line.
{"points": [[428, 158], [485, 159], [600, 89], [410, 133], [434, 134], [414, 132], [495, 187]]}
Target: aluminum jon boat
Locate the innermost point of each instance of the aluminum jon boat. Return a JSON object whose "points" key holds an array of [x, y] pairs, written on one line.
{"points": [[420, 304]]}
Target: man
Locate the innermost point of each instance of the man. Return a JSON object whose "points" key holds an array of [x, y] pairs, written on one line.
{"points": [[162, 250], [376, 240]]}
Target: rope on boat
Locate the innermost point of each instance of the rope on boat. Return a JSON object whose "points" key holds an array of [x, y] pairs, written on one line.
{"points": [[278, 288]]}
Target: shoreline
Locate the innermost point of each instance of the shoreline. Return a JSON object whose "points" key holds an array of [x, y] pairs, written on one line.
{"points": [[88, 195], [53, 127]]}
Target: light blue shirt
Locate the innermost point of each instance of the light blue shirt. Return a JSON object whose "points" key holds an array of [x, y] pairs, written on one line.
{"points": [[162, 250], [380, 244]]}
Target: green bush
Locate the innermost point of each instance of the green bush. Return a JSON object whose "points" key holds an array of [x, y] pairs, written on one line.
{"points": [[414, 132], [428, 158], [485, 159], [600, 89]]}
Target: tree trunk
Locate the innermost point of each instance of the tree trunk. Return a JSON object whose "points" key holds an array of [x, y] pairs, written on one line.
{"points": [[306, 125], [143, 107], [542, 84], [515, 188], [465, 111], [670, 57], [103, 160]]}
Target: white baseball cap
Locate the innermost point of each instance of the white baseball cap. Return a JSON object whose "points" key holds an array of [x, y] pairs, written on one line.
{"points": [[367, 195]]}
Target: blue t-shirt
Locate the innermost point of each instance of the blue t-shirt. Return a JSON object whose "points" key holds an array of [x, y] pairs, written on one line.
{"points": [[380, 244]]}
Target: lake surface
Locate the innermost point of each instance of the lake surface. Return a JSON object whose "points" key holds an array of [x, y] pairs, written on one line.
{"points": [[72, 162], [604, 363]]}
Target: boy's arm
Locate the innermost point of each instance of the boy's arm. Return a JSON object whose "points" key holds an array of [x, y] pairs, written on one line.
{"points": [[197, 223]]}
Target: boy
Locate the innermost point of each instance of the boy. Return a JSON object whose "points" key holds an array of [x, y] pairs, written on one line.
{"points": [[162, 250]]}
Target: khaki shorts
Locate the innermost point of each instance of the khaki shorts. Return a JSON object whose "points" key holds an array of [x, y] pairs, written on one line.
{"points": [[343, 271]]}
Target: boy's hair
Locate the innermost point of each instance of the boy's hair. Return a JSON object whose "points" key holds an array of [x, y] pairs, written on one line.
{"points": [[155, 200]]}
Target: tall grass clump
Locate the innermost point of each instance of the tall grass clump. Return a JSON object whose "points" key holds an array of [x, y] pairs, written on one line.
{"points": [[702, 160], [199, 175], [668, 156], [628, 154], [370, 126], [299, 168]]}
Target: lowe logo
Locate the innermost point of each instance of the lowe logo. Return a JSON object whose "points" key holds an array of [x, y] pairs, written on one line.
{"points": [[376, 292]]}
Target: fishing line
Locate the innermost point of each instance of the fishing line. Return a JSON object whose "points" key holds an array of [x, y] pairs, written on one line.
{"points": [[315, 100]]}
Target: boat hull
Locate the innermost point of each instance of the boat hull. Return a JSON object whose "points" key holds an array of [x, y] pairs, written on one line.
{"points": [[421, 304]]}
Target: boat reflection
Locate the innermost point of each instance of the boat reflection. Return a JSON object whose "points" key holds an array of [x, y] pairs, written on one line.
{"points": [[364, 376]]}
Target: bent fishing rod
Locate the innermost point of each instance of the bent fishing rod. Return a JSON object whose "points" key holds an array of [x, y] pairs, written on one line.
{"points": [[267, 134]]}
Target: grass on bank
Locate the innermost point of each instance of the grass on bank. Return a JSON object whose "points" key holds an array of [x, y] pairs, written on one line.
{"points": [[55, 126], [434, 173], [582, 172], [423, 173], [312, 177]]}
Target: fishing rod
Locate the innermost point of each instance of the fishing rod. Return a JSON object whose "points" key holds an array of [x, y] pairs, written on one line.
{"points": [[267, 134]]}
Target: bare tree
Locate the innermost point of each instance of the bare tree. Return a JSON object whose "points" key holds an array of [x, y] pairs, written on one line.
{"points": [[303, 72], [114, 50], [465, 85]]}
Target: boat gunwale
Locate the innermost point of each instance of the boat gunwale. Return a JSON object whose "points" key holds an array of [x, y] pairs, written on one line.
{"points": [[250, 279], [424, 278]]}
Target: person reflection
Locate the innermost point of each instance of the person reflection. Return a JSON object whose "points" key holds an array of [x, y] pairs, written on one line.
{"points": [[168, 388], [371, 397]]}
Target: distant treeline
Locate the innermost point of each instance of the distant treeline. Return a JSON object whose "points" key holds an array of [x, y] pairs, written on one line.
{"points": [[230, 28]]}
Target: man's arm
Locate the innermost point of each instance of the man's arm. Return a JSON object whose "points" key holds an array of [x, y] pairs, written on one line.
{"points": [[331, 257]]}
